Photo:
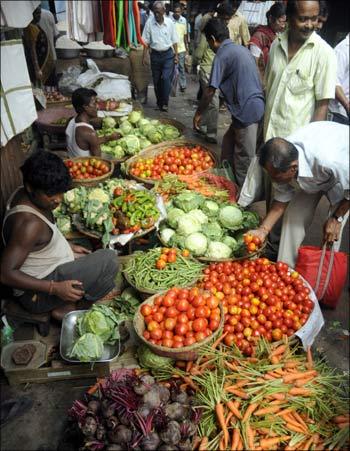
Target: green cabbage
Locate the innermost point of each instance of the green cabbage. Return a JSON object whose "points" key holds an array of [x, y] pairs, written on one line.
{"points": [[188, 200], [199, 215], [251, 220], [166, 235], [98, 194], [230, 242], [177, 241], [126, 128], [210, 208], [144, 142], [64, 224], [169, 132], [187, 225], [130, 144], [134, 117], [217, 249], [155, 122], [155, 137], [142, 122], [151, 361], [148, 128], [213, 231], [173, 216], [231, 217], [88, 348], [196, 243], [108, 122]]}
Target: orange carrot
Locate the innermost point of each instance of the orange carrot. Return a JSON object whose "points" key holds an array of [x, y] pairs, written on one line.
{"points": [[183, 387], [284, 412], [222, 446], [343, 425], [279, 350], [249, 411], [292, 427], [296, 391], [288, 378], [250, 437], [231, 366], [310, 362], [267, 410], [190, 382], [299, 419], [279, 396], [220, 415], [228, 418], [291, 364], [268, 443], [291, 419], [239, 393], [240, 445], [235, 439], [234, 410], [219, 340], [203, 444], [276, 402], [275, 359], [302, 382], [189, 366]]}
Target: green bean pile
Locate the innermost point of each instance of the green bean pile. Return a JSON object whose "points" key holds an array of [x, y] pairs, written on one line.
{"points": [[141, 271]]}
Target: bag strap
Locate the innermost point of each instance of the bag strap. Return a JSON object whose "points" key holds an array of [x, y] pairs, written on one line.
{"points": [[329, 271]]}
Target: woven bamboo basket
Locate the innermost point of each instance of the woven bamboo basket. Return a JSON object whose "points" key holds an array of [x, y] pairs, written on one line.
{"points": [[153, 151], [96, 180], [187, 352]]}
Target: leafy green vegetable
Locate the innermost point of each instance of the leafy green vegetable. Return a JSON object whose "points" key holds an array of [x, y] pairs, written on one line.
{"points": [[251, 220], [230, 242], [174, 215], [88, 348], [188, 200], [166, 235], [126, 128], [130, 144], [196, 243], [231, 217], [210, 208], [187, 224], [177, 241], [199, 216], [134, 117], [213, 231], [217, 249], [108, 122], [99, 195], [149, 360], [64, 224]]}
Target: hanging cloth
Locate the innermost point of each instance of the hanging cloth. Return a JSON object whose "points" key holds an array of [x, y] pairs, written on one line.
{"points": [[109, 23]]}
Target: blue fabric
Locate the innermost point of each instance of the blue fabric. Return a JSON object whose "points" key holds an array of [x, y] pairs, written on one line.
{"points": [[235, 73], [162, 66]]}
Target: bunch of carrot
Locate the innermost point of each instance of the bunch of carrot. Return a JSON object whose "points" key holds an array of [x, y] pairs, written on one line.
{"points": [[278, 399]]}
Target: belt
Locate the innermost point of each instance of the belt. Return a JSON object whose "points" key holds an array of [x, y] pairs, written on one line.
{"points": [[160, 51]]}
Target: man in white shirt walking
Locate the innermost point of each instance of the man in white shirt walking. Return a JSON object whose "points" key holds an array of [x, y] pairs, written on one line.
{"points": [[310, 163], [161, 38]]}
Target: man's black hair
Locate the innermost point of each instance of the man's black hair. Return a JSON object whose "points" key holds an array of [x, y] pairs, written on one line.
{"points": [[292, 8], [225, 9], [276, 11], [46, 172], [324, 8], [279, 152], [216, 28], [81, 97], [177, 5]]}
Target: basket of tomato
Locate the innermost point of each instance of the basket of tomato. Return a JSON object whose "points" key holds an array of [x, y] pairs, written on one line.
{"points": [[89, 171], [173, 157], [260, 299], [178, 322]]}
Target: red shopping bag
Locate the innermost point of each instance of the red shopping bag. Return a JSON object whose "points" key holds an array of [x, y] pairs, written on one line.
{"points": [[325, 270]]}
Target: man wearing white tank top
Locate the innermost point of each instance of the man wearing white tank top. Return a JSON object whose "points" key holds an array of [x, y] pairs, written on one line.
{"points": [[82, 140], [37, 261]]}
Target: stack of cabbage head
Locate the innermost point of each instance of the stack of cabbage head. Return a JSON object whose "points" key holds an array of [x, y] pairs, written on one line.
{"points": [[203, 226]]}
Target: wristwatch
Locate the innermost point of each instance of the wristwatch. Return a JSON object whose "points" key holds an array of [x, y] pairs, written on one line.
{"points": [[338, 218]]}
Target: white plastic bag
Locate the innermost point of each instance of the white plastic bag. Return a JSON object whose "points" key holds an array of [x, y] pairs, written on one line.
{"points": [[106, 84], [253, 186]]}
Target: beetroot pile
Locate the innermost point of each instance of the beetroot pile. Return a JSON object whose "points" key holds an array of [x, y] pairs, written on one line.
{"points": [[134, 412]]}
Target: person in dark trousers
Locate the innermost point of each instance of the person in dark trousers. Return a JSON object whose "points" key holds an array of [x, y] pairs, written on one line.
{"points": [[234, 72], [48, 273], [161, 38]]}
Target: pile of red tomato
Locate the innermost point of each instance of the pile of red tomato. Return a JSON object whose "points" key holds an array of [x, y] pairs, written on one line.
{"points": [[87, 169], [178, 160], [252, 243], [259, 298], [181, 317], [169, 255]]}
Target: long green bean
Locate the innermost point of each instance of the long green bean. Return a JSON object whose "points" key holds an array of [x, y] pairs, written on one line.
{"points": [[142, 272]]}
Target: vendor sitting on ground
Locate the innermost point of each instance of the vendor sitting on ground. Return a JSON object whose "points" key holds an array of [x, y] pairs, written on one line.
{"points": [[310, 163], [47, 273], [82, 140]]}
